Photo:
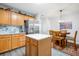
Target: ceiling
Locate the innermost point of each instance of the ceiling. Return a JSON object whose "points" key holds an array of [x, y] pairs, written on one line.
{"points": [[41, 8]]}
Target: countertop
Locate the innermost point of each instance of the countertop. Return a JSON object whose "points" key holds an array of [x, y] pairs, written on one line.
{"points": [[12, 33], [38, 36]]}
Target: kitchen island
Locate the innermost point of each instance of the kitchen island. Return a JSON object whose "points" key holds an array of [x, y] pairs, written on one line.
{"points": [[38, 45]]}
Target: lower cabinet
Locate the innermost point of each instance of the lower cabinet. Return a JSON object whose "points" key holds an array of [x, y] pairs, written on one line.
{"points": [[34, 51], [14, 43], [38, 47], [34, 47], [18, 41], [8, 42], [27, 42], [5, 44], [31, 47]]}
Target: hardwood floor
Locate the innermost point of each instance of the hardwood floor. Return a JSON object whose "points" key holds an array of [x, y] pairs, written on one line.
{"points": [[15, 52]]}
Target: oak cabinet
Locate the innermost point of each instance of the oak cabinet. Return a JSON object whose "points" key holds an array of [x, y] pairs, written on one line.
{"points": [[18, 40], [14, 18], [17, 19], [14, 42], [5, 43], [22, 40], [31, 47], [35, 47], [30, 17], [11, 18], [5, 17], [34, 51], [27, 44], [9, 42], [26, 18], [20, 20], [20, 43]]}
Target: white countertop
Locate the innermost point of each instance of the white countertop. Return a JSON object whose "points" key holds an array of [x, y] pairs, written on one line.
{"points": [[38, 36], [11, 33]]}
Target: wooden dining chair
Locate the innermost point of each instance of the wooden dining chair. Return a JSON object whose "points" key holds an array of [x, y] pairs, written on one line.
{"points": [[73, 40], [54, 34], [56, 37], [64, 34]]}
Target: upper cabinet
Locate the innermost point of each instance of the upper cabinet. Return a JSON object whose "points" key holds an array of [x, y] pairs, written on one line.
{"points": [[26, 18], [30, 17], [14, 18], [11, 18], [20, 20], [5, 17], [17, 19]]}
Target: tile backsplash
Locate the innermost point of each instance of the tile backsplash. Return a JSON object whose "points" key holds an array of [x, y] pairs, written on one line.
{"points": [[11, 29]]}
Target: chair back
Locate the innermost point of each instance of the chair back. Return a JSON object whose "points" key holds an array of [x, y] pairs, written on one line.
{"points": [[63, 33], [54, 34], [75, 35], [50, 32]]}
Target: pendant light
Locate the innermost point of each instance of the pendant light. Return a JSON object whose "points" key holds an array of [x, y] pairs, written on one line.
{"points": [[61, 13]]}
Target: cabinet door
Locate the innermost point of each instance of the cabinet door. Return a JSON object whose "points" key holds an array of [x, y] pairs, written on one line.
{"points": [[5, 45], [31, 47], [26, 17], [14, 42], [14, 18], [9, 44], [23, 43], [34, 51], [27, 48], [21, 40], [30, 17], [34, 47], [5, 17], [20, 43], [20, 19]]}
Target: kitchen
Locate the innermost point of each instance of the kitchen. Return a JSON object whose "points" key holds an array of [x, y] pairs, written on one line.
{"points": [[25, 27], [14, 27]]}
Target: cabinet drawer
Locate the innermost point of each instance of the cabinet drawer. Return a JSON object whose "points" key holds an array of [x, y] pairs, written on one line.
{"points": [[16, 35], [5, 36], [34, 42], [23, 43]]}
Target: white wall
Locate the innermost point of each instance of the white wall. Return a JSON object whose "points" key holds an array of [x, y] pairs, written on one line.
{"points": [[71, 13], [47, 24]]}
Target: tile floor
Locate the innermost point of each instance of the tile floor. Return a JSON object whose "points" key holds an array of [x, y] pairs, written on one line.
{"points": [[21, 52], [16, 52], [56, 52]]}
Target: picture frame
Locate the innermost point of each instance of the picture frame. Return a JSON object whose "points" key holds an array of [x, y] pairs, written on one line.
{"points": [[65, 25]]}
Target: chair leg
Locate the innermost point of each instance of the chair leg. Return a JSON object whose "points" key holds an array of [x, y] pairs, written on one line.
{"points": [[60, 43], [75, 47], [65, 42]]}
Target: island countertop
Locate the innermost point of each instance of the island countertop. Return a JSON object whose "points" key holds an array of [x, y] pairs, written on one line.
{"points": [[38, 36]]}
